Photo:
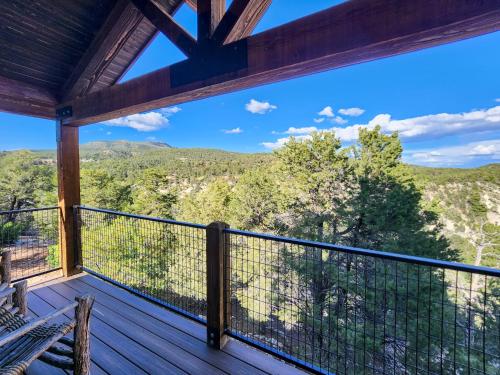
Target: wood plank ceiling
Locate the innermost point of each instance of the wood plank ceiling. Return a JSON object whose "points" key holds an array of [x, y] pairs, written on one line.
{"points": [[63, 49]]}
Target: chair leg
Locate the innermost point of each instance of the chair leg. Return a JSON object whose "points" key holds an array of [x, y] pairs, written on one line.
{"points": [[82, 335], [20, 300]]}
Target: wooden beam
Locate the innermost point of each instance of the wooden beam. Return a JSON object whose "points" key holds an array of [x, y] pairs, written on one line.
{"points": [[164, 22], [191, 3], [25, 99], [120, 25], [349, 33], [68, 173], [240, 20], [210, 13]]}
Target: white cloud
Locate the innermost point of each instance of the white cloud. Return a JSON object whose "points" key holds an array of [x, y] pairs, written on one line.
{"points": [[355, 111], [256, 107], [485, 151], [305, 130], [339, 120], [327, 112], [429, 126], [170, 110], [282, 141], [319, 120], [151, 138], [424, 127], [232, 131], [497, 100], [143, 122], [108, 133]]}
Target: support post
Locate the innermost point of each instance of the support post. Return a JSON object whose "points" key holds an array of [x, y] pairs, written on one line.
{"points": [[217, 266], [5, 267], [81, 355], [20, 297], [68, 173]]}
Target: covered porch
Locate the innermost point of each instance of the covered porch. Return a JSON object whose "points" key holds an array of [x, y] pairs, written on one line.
{"points": [[133, 336], [63, 62]]}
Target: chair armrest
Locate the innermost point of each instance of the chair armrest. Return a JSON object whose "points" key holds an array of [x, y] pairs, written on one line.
{"points": [[33, 324]]}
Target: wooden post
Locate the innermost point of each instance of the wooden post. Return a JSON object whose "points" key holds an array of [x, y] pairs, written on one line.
{"points": [[81, 355], [20, 297], [217, 253], [68, 173], [5, 267]]}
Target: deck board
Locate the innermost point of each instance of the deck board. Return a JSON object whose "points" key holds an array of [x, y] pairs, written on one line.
{"points": [[132, 335]]}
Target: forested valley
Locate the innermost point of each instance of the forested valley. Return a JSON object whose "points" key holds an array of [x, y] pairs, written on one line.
{"points": [[315, 190], [361, 196]]}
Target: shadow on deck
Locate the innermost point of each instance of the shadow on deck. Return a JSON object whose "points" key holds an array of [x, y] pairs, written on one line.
{"points": [[133, 336]]}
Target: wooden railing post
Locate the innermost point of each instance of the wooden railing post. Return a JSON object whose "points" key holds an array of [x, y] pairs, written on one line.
{"points": [[217, 253], [68, 173]]}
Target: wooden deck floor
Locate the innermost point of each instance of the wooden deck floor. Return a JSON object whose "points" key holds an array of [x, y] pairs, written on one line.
{"points": [[132, 336]]}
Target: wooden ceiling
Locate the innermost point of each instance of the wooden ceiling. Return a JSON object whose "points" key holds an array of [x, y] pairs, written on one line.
{"points": [[68, 48], [69, 54]]}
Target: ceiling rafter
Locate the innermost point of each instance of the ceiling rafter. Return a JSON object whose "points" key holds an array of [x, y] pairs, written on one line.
{"points": [[165, 23], [240, 20], [119, 26], [350, 33], [210, 13]]}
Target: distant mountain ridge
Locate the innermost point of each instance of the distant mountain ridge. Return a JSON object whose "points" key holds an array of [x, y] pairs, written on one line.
{"points": [[123, 145]]}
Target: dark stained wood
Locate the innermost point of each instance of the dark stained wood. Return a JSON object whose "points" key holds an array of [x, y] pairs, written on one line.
{"points": [[122, 322], [118, 28], [24, 98], [164, 22], [216, 298], [191, 4], [209, 13], [349, 33], [240, 20], [68, 173], [41, 41]]}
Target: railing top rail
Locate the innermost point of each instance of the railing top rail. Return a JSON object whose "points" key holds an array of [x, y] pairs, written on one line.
{"points": [[29, 210], [142, 217], [487, 271]]}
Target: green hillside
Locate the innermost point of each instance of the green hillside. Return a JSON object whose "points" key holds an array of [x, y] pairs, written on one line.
{"points": [[156, 179]]}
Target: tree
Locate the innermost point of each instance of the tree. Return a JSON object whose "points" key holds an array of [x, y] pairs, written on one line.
{"points": [[24, 181], [208, 205], [255, 202], [154, 194], [100, 189]]}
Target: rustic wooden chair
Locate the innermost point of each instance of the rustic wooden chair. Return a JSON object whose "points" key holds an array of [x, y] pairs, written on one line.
{"points": [[23, 340]]}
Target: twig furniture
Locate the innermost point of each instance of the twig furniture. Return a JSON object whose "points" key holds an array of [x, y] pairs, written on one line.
{"points": [[23, 340]]}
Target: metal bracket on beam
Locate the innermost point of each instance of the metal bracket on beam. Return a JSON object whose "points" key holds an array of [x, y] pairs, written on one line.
{"points": [[212, 63], [64, 112]]}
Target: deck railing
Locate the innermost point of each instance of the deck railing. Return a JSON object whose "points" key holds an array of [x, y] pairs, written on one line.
{"points": [[327, 308], [32, 237]]}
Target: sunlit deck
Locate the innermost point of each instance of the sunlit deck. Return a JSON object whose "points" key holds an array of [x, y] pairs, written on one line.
{"points": [[133, 336]]}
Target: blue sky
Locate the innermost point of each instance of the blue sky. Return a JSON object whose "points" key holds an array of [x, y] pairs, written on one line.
{"points": [[444, 101]]}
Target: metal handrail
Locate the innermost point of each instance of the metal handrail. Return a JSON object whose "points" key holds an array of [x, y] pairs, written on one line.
{"points": [[28, 210], [373, 253], [143, 217]]}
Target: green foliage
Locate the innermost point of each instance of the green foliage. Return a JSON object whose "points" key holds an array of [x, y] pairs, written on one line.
{"points": [[54, 256], [10, 232], [25, 181]]}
